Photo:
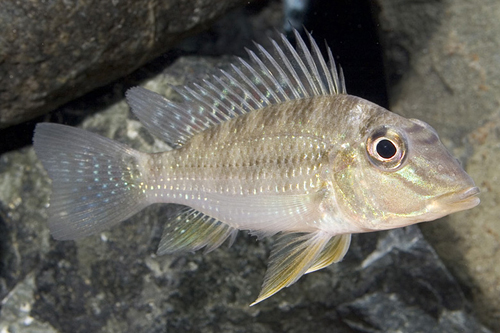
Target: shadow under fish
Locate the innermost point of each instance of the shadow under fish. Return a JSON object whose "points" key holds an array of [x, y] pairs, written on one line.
{"points": [[275, 145]]}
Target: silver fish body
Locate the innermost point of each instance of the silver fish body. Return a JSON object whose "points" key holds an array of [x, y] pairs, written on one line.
{"points": [[272, 147]]}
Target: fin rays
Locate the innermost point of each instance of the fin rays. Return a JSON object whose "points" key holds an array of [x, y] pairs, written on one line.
{"points": [[191, 230], [94, 180], [294, 255], [333, 252], [287, 74]]}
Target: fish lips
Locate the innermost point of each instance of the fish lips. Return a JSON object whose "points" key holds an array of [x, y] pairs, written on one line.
{"points": [[455, 201]]}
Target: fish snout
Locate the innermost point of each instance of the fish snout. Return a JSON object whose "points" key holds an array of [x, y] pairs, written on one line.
{"points": [[459, 200]]}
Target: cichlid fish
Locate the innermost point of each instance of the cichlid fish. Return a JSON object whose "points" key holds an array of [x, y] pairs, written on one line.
{"points": [[272, 146]]}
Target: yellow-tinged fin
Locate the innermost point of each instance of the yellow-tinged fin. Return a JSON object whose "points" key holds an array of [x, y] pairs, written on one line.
{"points": [[191, 230], [278, 74], [333, 252], [292, 256]]}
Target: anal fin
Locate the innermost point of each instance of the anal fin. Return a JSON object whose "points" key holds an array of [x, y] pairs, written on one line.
{"points": [[191, 230]]}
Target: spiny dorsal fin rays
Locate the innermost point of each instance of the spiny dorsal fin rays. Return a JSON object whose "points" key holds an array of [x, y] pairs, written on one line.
{"points": [[237, 104], [245, 96], [308, 92], [337, 85], [284, 81], [256, 77], [275, 88], [208, 91], [202, 104], [301, 92], [254, 91], [224, 100], [291, 257], [255, 94], [240, 97], [289, 74], [312, 72], [219, 101], [342, 81], [321, 68]]}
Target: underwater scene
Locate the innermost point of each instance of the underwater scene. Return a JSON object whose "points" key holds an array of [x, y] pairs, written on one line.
{"points": [[249, 166]]}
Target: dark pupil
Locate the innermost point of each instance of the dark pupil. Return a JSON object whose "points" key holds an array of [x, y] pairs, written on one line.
{"points": [[386, 149]]}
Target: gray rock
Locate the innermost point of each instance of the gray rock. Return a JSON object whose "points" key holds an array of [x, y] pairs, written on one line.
{"points": [[444, 61], [51, 53], [113, 282], [442, 58]]}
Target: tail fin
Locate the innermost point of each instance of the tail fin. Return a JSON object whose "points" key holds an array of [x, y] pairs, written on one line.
{"points": [[95, 180]]}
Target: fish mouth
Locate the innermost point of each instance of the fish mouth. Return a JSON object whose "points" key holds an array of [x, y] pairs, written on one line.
{"points": [[461, 200]]}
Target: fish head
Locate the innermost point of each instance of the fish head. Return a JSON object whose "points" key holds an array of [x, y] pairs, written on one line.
{"points": [[399, 174]]}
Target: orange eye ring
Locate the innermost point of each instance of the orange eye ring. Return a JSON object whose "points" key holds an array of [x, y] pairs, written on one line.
{"points": [[386, 149]]}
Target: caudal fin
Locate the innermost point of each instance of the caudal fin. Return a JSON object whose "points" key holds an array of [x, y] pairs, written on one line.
{"points": [[95, 180]]}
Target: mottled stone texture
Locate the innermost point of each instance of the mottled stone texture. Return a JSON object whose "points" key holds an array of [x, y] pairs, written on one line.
{"points": [[54, 51], [114, 282], [444, 65]]}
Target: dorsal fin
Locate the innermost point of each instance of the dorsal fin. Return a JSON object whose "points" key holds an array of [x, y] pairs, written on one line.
{"points": [[271, 77]]}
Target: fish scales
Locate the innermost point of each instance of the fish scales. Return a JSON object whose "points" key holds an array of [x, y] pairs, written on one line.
{"points": [[251, 153], [273, 146], [247, 156]]}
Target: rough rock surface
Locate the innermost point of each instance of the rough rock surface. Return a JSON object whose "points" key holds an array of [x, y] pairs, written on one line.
{"points": [[113, 282], [52, 52], [445, 68]]}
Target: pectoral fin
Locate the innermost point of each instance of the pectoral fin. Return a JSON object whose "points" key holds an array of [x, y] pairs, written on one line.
{"points": [[291, 257], [297, 254], [191, 230]]}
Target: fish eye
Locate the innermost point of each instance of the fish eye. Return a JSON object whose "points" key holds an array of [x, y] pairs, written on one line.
{"points": [[386, 149]]}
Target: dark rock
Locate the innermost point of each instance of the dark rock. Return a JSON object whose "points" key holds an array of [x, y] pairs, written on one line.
{"points": [[113, 282], [53, 52]]}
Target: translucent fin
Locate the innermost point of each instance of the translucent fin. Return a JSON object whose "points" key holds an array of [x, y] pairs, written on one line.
{"points": [[93, 180], [161, 117], [333, 252], [291, 257], [191, 230], [270, 77]]}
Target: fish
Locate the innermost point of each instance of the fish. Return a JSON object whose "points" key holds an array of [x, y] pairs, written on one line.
{"points": [[274, 146]]}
